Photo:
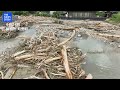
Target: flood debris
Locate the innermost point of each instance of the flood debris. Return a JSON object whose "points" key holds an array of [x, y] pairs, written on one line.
{"points": [[52, 59], [32, 77], [66, 63], [18, 53], [50, 56], [8, 34], [45, 55], [45, 73], [2, 75], [67, 39], [11, 30], [10, 73]]}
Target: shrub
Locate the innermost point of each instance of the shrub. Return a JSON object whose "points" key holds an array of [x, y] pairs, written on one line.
{"points": [[56, 14], [115, 17], [20, 13], [1, 12], [45, 14], [100, 13], [26, 13]]}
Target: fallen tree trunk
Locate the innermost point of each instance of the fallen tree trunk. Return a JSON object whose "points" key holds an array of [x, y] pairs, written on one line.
{"points": [[23, 57], [52, 59], [45, 73], [66, 63], [64, 42], [108, 35], [41, 54], [18, 53], [43, 50], [66, 28], [10, 73], [82, 72]]}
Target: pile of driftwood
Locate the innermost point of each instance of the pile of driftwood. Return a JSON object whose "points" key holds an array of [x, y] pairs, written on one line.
{"points": [[8, 34], [53, 58], [34, 19], [107, 37]]}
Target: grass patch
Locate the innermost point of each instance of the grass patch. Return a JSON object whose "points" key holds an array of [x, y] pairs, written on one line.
{"points": [[114, 19]]}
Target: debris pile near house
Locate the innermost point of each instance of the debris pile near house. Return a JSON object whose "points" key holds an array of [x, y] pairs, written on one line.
{"points": [[52, 58]]}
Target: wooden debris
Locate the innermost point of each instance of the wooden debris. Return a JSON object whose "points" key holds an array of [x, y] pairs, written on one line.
{"points": [[66, 63], [66, 28], [83, 56], [64, 42], [41, 54], [40, 64], [22, 66], [2, 75], [43, 50], [18, 53], [45, 73], [59, 74], [69, 28], [13, 73], [10, 73], [23, 57], [30, 58], [45, 55], [82, 72], [32, 77], [108, 35], [52, 59]]}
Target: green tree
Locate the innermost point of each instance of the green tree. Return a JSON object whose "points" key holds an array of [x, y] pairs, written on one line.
{"points": [[115, 17]]}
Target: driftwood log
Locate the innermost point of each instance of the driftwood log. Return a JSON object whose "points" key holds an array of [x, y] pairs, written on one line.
{"points": [[66, 63], [64, 42]]}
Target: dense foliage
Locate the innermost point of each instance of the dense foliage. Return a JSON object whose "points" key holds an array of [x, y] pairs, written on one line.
{"points": [[115, 18], [100, 13]]}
